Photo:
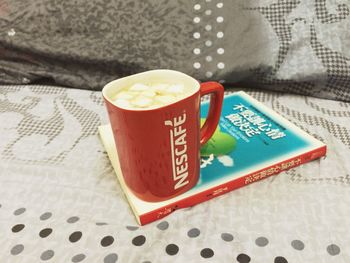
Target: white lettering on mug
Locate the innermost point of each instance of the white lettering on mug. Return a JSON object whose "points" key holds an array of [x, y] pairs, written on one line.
{"points": [[178, 150]]}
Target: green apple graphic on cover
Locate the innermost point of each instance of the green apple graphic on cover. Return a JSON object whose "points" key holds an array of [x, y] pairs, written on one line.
{"points": [[246, 136], [220, 143]]}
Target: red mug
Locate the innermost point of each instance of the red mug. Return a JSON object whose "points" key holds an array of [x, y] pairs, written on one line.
{"points": [[159, 148]]}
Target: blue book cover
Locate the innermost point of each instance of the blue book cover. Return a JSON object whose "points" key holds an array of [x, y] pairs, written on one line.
{"points": [[249, 135]]}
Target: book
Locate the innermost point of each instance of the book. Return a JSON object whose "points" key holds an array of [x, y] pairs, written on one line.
{"points": [[251, 143]]}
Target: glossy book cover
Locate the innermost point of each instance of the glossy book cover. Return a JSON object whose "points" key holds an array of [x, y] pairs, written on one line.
{"points": [[251, 142]]}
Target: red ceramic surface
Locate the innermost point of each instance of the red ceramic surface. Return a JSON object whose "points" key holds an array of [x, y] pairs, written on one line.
{"points": [[158, 149]]}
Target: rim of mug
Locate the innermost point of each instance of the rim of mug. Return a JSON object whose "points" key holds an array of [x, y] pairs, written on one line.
{"points": [[111, 84]]}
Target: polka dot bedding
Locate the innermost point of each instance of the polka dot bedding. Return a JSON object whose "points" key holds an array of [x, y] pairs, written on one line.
{"points": [[295, 46], [60, 200]]}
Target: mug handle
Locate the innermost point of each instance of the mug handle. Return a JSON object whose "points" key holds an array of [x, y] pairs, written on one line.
{"points": [[216, 90]]}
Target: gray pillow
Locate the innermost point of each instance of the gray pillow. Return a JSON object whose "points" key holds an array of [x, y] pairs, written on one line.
{"points": [[298, 46]]}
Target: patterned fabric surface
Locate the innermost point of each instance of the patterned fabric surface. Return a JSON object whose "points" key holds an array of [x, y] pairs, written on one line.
{"points": [[60, 200], [299, 46]]}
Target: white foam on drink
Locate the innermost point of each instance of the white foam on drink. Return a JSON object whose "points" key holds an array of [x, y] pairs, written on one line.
{"points": [[141, 96]]}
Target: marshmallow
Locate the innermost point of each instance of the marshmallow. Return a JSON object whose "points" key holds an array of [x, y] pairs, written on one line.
{"points": [[178, 88], [160, 88], [124, 95], [148, 93], [165, 99], [142, 102], [153, 96], [122, 103], [138, 87]]}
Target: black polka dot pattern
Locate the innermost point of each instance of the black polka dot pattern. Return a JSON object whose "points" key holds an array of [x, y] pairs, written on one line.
{"points": [[297, 244], [17, 249], [243, 258], [45, 216], [172, 249], [107, 241], [227, 237], [139, 240], [207, 253], [163, 225], [46, 255], [45, 232], [19, 211], [75, 236], [280, 260], [101, 224], [111, 258], [333, 250], [261, 241], [72, 219], [132, 228], [17, 228], [194, 232], [78, 258]]}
